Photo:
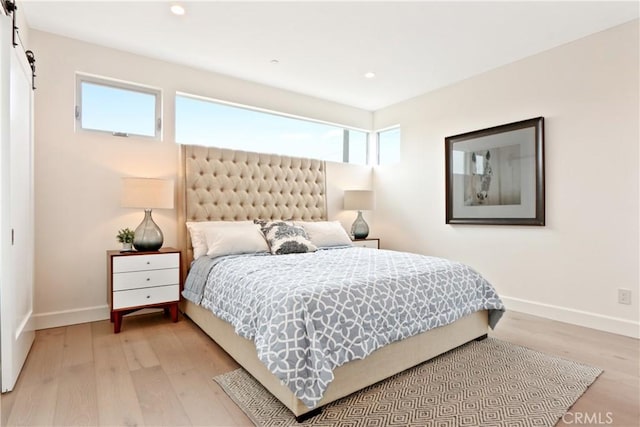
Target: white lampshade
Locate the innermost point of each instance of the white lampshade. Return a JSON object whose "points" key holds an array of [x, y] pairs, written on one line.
{"points": [[359, 200], [147, 193]]}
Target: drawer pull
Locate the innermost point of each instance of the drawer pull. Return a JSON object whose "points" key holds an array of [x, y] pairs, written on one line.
{"points": [[148, 262], [148, 296], [148, 279]]}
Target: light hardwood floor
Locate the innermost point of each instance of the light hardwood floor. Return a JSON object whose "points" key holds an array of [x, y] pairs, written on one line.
{"points": [[160, 373]]}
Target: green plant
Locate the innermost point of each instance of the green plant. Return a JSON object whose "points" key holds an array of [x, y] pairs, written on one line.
{"points": [[125, 235]]}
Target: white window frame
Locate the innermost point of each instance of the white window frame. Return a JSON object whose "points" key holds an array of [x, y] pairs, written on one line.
{"points": [[346, 142], [377, 137], [345, 147], [118, 84]]}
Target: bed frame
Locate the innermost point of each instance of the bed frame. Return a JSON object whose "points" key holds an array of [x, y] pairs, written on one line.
{"points": [[227, 185]]}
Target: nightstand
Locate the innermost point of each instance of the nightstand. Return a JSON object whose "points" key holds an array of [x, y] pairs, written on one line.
{"points": [[367, 243], [140, 280]]}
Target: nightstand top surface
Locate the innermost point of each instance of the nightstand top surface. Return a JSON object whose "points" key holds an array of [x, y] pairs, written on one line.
{"points": [[118, 252]]}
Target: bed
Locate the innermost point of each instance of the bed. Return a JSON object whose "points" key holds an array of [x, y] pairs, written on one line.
{"points": [[237, 187]]}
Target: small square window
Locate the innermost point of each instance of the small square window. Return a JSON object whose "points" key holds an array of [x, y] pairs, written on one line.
{"points": [[358, 147], [121, 109], [389, 146]]}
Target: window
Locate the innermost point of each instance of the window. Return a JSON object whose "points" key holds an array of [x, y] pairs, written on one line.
{"points": [[358, 144], [121, 109], [389, 146], [211, 123]]}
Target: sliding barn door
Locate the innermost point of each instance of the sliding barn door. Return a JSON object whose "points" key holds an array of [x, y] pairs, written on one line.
{"points": [[16, 214]]}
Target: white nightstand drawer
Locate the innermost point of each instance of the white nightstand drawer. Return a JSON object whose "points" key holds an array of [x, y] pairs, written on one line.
{"points": [[147, 296], [145, 279], [368, 243], [123, 264]]}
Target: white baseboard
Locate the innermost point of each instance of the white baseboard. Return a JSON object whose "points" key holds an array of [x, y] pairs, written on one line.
{"points": [[600, 322], [55, 319]]}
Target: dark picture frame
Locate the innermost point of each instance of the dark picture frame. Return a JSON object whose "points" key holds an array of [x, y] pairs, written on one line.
{"points": [[496, 175]]}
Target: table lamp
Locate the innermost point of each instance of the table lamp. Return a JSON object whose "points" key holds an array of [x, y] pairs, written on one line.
{"points": [[147, 193], [359, 200]]}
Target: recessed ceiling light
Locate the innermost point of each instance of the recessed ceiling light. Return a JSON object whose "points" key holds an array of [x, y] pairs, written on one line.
{"points": [[369, 75], [177, 9], [275, 61]]}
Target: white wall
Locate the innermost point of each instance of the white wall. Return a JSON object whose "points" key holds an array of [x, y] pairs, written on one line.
{"points": [[570, 269], [77, 182]]}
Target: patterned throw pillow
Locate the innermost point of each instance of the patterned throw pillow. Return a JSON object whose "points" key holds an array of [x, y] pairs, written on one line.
{"points": [[266, 222], [284, 238]]}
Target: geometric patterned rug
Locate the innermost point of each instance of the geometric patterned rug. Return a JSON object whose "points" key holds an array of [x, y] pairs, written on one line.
{"points": [[482, 383]]}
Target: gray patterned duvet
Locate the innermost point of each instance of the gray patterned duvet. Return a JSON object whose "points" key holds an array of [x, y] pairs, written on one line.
{"points": [[310, 313]]}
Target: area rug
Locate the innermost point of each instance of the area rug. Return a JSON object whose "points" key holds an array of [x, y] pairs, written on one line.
{"points": [[483, 383]]}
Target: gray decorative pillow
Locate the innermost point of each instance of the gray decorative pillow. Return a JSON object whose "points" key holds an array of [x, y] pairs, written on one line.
{"points": [[286, 238]]}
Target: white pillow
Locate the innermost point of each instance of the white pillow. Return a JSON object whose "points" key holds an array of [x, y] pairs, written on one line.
{"points": [[198, 241], [234, 238], [326, 234]]}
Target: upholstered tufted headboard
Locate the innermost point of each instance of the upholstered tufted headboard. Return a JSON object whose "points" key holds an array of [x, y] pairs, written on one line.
{"points": [[229, 185]]}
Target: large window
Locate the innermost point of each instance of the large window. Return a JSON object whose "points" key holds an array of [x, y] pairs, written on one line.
{"points": [[389, 146], [210, 123], [121, 109]]}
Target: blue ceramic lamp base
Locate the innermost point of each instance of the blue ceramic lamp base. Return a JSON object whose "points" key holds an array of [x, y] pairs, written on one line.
{"points": [[148, 236], [360, 228]]}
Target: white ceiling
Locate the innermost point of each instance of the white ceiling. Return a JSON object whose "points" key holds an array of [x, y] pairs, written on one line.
{"points": [[324, 48]]}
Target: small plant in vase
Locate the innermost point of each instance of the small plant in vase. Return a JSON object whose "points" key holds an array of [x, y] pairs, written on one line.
{"points": [[125, 236]]}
